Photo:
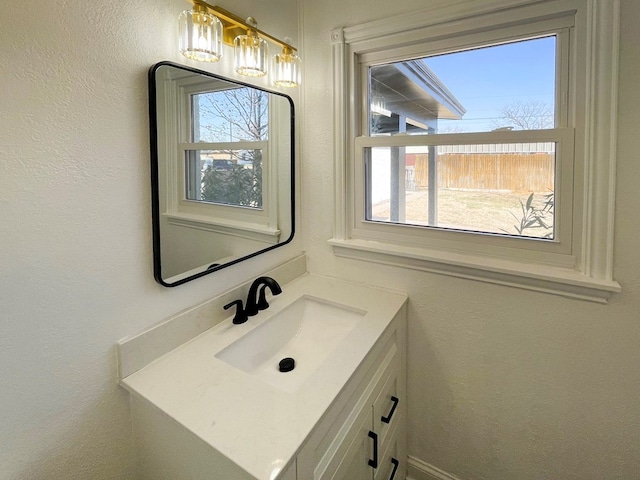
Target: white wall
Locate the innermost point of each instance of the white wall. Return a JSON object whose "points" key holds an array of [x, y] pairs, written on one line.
{"points": [[504, 384], [75, 224]]}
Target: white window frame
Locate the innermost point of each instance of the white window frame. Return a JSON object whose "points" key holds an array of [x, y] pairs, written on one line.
{"points": [[256, 224], [579, 263]]}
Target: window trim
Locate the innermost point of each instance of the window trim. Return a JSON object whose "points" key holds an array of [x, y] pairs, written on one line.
{"points": [[590, 275]]}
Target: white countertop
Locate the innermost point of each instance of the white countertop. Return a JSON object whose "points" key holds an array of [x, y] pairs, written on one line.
{"points": [[258, 426]]}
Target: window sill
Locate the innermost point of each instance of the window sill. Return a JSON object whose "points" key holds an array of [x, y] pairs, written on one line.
{"points": [[540, 278], [252, 231]]}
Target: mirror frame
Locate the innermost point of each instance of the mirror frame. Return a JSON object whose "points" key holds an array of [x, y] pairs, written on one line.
{"points": [[155, 187]]}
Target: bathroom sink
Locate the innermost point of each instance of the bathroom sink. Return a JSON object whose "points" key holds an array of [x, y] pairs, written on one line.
{"points": [[307, 330]]}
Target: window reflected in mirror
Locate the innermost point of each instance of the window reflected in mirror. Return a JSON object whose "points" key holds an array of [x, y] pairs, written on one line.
{"points": [[228, 176]]}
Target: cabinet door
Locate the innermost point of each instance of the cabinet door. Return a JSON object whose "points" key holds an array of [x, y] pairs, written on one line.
{"points": [[350, 461]]}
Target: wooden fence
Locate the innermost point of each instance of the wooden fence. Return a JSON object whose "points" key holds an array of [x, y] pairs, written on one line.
{"points": [[517, 172]]}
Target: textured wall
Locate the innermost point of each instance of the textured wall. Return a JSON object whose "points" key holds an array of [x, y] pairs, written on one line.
{"points": [[503, 383], [75, 228]]}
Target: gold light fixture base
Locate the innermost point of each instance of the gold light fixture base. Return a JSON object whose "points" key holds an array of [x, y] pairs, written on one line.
{"points": [[234, 26]]}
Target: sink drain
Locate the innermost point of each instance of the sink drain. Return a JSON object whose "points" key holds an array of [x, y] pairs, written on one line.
{"points": [[287, 364]]}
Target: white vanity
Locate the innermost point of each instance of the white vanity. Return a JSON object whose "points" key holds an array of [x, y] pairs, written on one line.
{"points": [[216, 407]]}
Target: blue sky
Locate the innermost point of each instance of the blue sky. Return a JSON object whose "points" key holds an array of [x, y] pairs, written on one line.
{"points": [[484, 80]]}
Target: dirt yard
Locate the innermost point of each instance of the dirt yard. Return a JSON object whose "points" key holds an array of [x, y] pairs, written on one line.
{"points": [[469, 210]]}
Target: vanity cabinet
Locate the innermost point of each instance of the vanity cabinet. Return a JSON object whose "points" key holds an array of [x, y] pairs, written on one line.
{"points": [[197, 417], [363, 435]]}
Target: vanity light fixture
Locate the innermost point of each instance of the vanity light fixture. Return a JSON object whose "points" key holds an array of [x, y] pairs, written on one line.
{"points": [[205, 27]]}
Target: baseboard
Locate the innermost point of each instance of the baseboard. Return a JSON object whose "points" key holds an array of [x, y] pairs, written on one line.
{"points": [[419, 470]]}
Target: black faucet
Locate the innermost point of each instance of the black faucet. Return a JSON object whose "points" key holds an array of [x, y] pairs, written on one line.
{"points": [[255, 301], [255, 304]]}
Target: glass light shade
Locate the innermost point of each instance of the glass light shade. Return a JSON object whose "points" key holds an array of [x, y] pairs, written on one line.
{"points": [[286, 68], [200, 35], [250, 55]]}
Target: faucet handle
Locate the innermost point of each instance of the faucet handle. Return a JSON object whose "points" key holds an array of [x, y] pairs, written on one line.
{"points": [[241, 315]]}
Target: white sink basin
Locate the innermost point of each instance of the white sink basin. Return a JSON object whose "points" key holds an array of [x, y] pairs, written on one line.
{"points": [[307, 330]]}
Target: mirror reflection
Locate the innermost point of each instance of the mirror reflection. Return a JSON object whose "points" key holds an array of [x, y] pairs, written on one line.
{"points": [[222, 168]]}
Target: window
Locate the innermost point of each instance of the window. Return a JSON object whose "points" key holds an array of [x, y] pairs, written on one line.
{"points": [[470, 149], [499, 188], [235, 120]]}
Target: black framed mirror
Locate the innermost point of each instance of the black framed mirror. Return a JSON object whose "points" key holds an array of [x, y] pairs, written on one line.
{"points": [[222, 171]]}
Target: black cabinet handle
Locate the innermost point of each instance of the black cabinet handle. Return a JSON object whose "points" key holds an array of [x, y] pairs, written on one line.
{"points": [[396, 464], [374, 436], [387, 419]]}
